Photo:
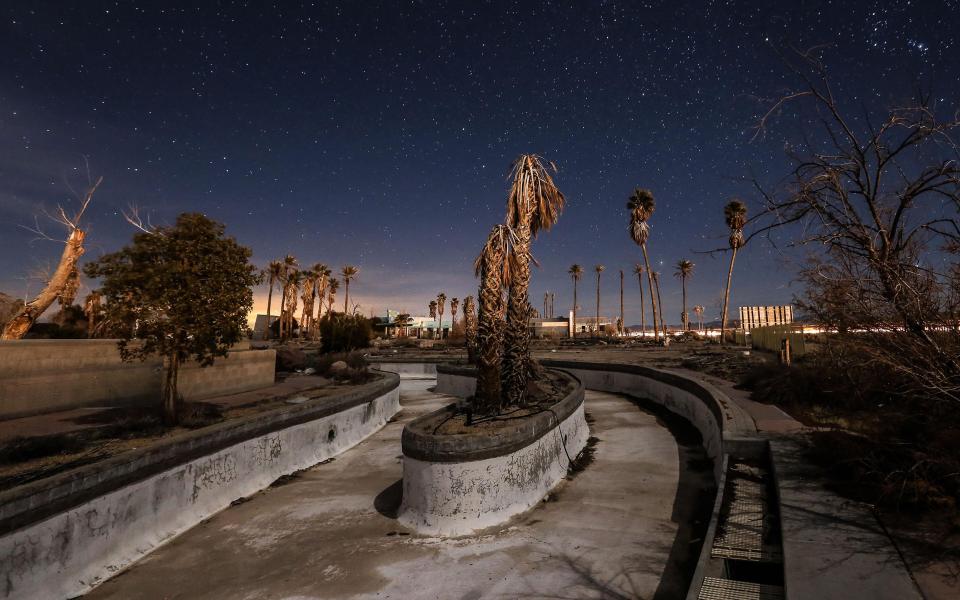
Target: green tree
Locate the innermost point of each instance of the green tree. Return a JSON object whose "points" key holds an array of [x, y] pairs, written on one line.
{"points": [[534, 204], [641, 206], [188, 288], [735, 216], [684, 271]]}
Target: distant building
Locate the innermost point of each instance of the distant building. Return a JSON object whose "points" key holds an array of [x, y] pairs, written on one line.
{"points": [[762, 316], [260, 325]]}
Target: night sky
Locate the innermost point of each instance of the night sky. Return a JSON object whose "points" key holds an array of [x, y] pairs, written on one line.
{"points": [[380, 134]]}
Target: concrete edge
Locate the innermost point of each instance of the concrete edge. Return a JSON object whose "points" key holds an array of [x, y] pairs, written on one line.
{"points": [[38, 500], [419, 443], [705, 560]]}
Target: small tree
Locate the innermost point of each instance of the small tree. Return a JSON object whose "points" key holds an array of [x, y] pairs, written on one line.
{"points": [[187, 287]]}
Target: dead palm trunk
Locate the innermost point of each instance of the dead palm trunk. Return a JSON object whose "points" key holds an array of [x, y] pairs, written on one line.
{"points": [[516, 367], [643, 310], [653, 296], [597, 329], [20, 324], [574, 328], [686, 319], [266, 329]]}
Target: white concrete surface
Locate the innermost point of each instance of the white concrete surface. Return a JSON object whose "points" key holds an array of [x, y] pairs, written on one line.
{"points": [[330, 532], [68, 554], [459, 498]]}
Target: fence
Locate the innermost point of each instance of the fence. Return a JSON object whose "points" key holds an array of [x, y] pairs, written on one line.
{"points": [[771, 338]]}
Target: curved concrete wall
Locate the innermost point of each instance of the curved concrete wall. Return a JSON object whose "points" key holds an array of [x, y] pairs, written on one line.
{"points": [[458, 498], [70, 552]]}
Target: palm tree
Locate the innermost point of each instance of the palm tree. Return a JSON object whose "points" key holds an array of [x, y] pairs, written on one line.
{"points": [[638, 271], [318, 276], [599, 269], [433, 314], [332, 287], [656, 285], [470, 328], [441, 303], [698, 309], [288, 267], [735, 215], [576, 272], [641, 205], [274, 272], [493, 268], [321, 290], [454, 304], [347, 273], [307, 293], [683, 272], [534, 204], [294, 279]]}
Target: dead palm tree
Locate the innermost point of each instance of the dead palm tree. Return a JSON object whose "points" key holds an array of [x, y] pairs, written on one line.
{"points": [[656, 286], [307, 291], [347, 273], [683, 272], [470, 328], [638, 271], [318, 276], [441, 304], [641, 205], [735, 215], [698, 309], [294, 281], [324, 273], [433, 314], [274, 273], [576, 272], [493, 267], [534, 204], [599, 269]]}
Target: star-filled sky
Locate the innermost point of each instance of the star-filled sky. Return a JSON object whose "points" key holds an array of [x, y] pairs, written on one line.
{"points": [[380, 134]]}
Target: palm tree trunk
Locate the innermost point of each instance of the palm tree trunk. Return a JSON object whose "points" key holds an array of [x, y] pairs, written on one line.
{"points": [[169, 396], [726, 297], [683, 283], [516, 359], [346, 294], [663, 324], [623, 324], [573, 328], [643, 316], [653, 297], [597, 330], [266, 330]]}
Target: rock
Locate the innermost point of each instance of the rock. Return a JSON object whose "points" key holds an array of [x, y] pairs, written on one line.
{"points": [[290, 359], [309, 371], [339, 368]]}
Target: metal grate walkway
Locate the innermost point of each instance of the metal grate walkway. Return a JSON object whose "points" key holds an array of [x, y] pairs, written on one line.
{"points": [[727, 589], [746, 519]]}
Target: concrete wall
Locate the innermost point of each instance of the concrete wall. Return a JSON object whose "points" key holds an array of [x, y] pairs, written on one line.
{"points": [[709, 410], [70, 552], [407, 370], [458, 498], [38, 376]]}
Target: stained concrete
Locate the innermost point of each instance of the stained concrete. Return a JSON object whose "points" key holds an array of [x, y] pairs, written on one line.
{"points": [[330, 532]]}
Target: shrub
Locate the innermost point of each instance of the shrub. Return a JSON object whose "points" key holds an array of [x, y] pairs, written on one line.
{"points": [[340, 332]]}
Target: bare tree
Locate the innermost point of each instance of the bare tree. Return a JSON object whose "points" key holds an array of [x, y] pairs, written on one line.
{"points": [[63, 276]]}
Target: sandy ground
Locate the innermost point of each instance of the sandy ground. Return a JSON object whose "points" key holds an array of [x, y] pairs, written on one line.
{"points": [[330, 533]]}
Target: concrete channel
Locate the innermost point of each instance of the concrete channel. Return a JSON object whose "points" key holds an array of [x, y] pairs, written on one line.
{"points": [[626, 526]]}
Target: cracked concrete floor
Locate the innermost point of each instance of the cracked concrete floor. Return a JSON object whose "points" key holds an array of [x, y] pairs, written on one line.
{"points": [[612, 532]]}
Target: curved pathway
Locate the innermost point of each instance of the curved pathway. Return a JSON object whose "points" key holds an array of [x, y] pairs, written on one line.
{"points": [[329, 532]]}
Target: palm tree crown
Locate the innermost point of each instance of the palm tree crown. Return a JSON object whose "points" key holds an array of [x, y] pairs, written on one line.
{"points": [[684, 269]]}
